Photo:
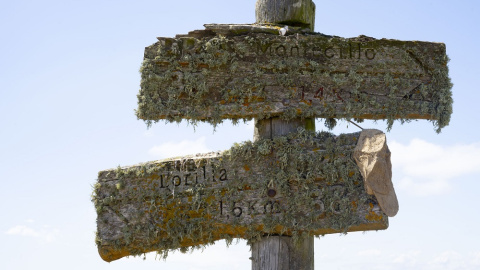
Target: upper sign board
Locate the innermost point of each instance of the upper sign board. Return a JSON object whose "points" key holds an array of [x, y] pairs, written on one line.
{"points": [[250, 71]]}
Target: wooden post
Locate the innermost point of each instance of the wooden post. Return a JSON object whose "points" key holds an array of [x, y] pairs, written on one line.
{"points": [[280, 252], [290, 12], [271, 127]]}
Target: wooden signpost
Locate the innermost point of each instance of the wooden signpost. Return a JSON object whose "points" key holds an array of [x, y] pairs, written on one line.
{"points": [[290, 183]]}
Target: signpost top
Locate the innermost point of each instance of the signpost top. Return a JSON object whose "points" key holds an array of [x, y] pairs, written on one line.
{"points": [[299, 12]]}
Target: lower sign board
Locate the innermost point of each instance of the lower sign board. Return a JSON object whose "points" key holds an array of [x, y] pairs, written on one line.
{"points": [[299, 184]]}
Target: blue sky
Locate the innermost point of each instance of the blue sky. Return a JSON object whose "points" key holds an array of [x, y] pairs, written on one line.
{"points": [[68, 84]]}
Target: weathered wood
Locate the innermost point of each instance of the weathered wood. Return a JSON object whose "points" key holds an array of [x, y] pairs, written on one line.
{"points": [[235, 73], [287, 186], [271, 127], [281, 253], [289, 12]]}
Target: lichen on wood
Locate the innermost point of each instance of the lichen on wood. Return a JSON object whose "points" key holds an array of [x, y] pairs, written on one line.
{"points": [[302, 183], [248, 71]]}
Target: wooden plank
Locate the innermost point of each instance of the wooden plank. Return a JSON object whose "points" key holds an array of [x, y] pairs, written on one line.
{"points": [[247, 71], [289, 185]]}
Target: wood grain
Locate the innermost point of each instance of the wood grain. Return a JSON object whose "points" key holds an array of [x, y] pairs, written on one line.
{"points": [[289, 12]]}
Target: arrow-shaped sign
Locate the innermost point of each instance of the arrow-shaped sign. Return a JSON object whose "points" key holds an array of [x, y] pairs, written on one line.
{"points": [[291, 185], [250, 71]]}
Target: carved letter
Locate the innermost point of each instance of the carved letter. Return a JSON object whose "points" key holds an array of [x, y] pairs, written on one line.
{"points": [[186, 179], [316, 50], [329, 49], [263, 48], [320, 207], [236, 211], [178, 181], [305, 51], [298, 51], [274, 207], [335, 207], [281, 52], [223, 175], [161, 181], [370, 54], [251, 207]]}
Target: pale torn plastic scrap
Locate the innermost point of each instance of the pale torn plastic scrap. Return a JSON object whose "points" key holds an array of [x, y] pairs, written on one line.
{"points": [[373, 159]]}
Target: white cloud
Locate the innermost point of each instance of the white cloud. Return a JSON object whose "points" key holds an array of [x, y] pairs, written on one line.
{"points": [[22, 230], [475, 258], [448, 260], [369, 252], [428, 168], [185, 147], [446, 257], [45, 234], [149, 133], [444, 260], [250, 125], [424, 186], [216, 256], [409, 259]]}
